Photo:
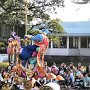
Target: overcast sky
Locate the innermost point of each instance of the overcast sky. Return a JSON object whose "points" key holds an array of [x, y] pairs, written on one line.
{"points": [[73, 12]]}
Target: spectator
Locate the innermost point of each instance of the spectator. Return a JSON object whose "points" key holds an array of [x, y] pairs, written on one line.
{"points": [[71, 66], [86, 80]]}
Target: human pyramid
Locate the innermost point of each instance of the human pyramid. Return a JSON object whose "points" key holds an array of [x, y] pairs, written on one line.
{"points": [[29, 71]]}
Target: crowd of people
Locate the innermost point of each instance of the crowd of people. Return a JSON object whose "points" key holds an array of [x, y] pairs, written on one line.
{"points": [[75, 76], [69, 76]]}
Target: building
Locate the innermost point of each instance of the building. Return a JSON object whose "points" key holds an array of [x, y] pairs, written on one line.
{"points": [[75, 44]]}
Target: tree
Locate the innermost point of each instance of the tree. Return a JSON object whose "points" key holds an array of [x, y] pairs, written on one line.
{"points": [[56, 28], [14, 10], [53, 26]]}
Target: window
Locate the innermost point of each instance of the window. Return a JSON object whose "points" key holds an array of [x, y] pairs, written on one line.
{"points": [[73, 42], [63, 42], [70, 42], [49, 43], [83, 42], [60, 43], [55, 44], [88, 42]]}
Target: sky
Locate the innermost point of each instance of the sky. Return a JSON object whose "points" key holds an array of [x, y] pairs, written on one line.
{"points": [[73, 12]]}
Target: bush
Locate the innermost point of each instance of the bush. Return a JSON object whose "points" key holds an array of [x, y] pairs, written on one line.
{"points": [[1, 44], [3, 65]]}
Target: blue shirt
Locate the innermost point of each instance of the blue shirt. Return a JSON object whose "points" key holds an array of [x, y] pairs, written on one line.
{"points": [[27, 52]]}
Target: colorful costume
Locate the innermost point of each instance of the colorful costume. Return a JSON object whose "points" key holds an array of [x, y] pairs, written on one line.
{"points": [[43, 45], [40, 46], [10, 50], [13, 46]]}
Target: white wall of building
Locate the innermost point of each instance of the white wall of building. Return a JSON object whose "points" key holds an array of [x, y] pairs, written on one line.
{"points": [[85, 52], [57, 51], [68, 52], [74, 52]]}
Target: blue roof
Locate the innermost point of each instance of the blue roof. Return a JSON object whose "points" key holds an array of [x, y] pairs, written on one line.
{"points": [[77, 27]]}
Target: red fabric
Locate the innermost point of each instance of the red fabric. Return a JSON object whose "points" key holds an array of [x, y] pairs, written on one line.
{"points": [[43, 46], [44, 43]]}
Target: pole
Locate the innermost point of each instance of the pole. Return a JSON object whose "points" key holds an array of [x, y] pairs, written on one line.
{"points": [[26, 22], [26, 11]]}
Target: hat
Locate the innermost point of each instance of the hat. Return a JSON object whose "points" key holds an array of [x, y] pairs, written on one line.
{"points": [[10, 39], [13, 34]]}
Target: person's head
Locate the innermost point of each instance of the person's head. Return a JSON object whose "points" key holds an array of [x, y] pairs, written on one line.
{"points": [[54, 64], [25, 37], [62, 64], [79, 65], [71, 64], [45, 63], [10, 40]]}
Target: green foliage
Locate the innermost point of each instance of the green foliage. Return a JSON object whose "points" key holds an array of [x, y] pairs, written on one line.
{"points": [[3, 65], [55, 26], [1, 44], [31, 32], [7, 4], [14, 10]]}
